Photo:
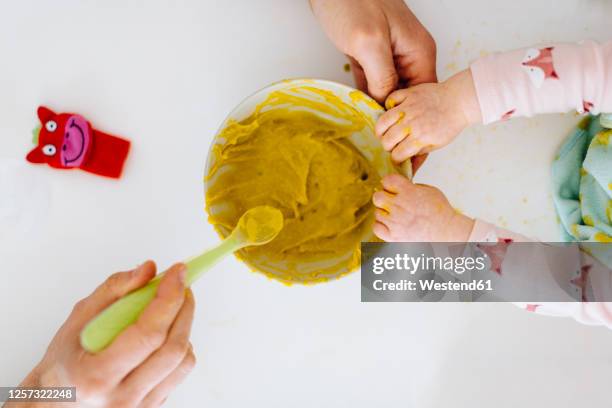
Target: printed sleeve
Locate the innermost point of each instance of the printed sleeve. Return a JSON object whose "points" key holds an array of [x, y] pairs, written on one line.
{"points": [[550, 79], [485, 232], [558, 275]]}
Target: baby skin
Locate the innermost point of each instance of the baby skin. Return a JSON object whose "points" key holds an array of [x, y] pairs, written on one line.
{"points": [[552, 79], [417, 213], [420, 119]]}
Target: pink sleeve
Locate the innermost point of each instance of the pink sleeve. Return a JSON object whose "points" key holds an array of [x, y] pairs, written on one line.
{"points": [[590, 313], [485, 232], [552, 79]]}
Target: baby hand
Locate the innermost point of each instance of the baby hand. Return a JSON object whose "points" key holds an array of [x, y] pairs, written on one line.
{"points": [[408, 212], [429, 116]]}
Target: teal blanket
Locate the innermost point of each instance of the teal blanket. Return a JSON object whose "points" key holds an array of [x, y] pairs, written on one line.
{"points": [[582, 186]]}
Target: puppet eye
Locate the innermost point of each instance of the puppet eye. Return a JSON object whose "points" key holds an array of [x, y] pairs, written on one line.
{"points": [[51, 126], [49, 150]]}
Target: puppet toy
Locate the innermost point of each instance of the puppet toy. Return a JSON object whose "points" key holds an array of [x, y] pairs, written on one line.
{"points": [[68, 141]]}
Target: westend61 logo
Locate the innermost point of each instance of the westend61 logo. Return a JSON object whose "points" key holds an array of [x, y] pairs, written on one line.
{"points": [[422, 263], [498, 271]]}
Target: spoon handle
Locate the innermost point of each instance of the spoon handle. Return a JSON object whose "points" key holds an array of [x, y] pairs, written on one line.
{"points": [[199, 264], [105, 327]]}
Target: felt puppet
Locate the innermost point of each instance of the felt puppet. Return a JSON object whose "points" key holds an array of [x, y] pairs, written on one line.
{"points": [[68, 141]]}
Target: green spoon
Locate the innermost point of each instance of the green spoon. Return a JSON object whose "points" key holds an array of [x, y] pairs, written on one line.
{"points": [[257, 226]]}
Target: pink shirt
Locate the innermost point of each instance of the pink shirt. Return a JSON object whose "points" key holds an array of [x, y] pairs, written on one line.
{"points": [[550, 79], [592, 274]]}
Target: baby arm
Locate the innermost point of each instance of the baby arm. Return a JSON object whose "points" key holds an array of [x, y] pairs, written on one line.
{"points": [[407, 212], [524, 82], [554, 79], [581, 272]]}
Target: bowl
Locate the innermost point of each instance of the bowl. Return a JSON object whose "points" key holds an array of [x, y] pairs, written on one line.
{"points": [[364, 140]]}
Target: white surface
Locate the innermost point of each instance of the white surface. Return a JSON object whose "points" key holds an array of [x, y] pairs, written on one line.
{"points": [[165, 75]]}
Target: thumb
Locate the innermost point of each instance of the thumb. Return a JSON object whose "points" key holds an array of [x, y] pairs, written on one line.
{"points": [[421, 72], [377, 63], [116, 286]]}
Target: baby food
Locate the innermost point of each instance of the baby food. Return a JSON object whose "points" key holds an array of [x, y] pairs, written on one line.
{"points": [[293, 153]]}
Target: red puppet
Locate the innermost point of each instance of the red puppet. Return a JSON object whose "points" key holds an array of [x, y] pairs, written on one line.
{"points": [[68, 141]]}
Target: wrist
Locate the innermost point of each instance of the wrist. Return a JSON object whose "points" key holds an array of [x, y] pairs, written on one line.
{"points": [[459, 228], [43, 375], [463, 95], [32, 379]]}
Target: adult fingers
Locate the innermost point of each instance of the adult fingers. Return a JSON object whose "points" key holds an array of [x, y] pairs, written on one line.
{"points": [[425, 68], [159, 394], [375, 56], [419, 70], [360, 79], [149, 332], [166, 359], [417, 63], [116, 286]]}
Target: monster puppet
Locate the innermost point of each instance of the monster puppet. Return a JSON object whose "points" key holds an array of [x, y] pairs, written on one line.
{"points": [[68, 141]]}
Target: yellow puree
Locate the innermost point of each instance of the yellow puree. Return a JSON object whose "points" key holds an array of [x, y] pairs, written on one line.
{"points": [[304, 165]]}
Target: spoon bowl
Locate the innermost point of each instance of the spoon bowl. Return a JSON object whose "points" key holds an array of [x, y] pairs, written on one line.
{"points": [[259, 225]]}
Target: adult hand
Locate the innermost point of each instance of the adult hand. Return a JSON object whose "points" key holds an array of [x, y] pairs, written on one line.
{"points": [[386, 44], [144, 363]]}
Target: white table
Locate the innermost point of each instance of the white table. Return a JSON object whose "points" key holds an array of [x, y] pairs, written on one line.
{"points": [[165, 76]]}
